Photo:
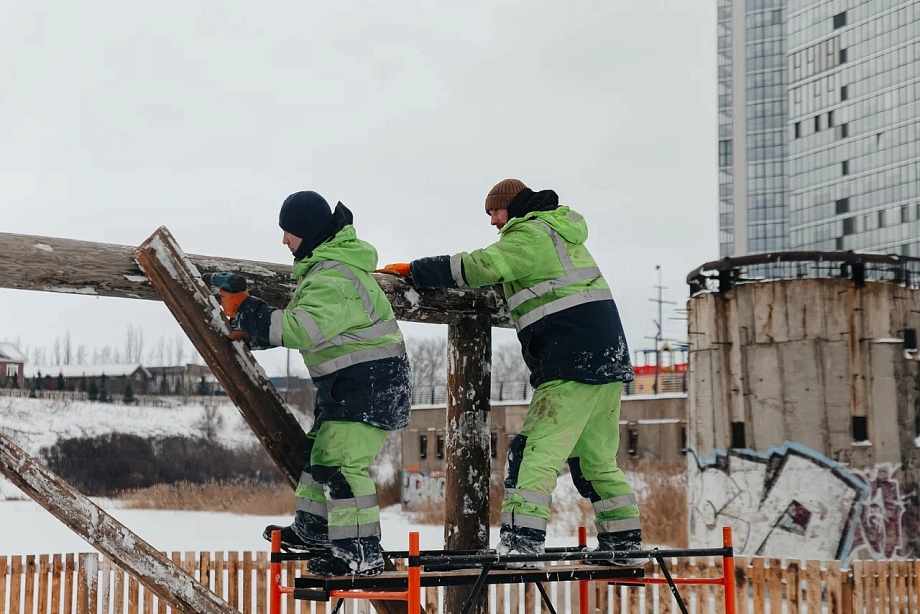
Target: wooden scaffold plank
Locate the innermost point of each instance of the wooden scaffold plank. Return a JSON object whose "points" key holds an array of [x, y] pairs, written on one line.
{"points": [[104, 533]]}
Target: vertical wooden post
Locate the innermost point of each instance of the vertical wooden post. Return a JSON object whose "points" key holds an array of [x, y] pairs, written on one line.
{"points": [[469, 387]]}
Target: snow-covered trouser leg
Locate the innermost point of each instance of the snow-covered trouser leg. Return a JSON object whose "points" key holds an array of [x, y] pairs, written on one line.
{"points": [[594, 466], [310, 519], [341, 456], [567, 419]]}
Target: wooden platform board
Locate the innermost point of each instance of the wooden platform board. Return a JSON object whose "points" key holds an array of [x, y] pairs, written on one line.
{"points": [[399, 580]]}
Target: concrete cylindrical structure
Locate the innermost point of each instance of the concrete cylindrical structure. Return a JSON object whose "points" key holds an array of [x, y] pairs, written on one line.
{"points": [[803, 418]]}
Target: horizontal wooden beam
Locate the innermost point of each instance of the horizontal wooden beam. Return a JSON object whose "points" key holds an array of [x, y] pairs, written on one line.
{"points": [[156, 572], [101, 269]]}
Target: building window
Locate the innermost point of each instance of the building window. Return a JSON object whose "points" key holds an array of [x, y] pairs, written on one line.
{"points": [[881, 219], [843, 56], [777, 18], [842, 205], [839, 244], [843, 93], [840, 20], [844, 130], [493, 443], [905, 213], [849, 226], [439, 447], [738, 435], [633, 442], [830, 119], [798, 129], [423, 446], [683, 439], [845, 167], [817, 123], [860, 428], [725, 153], [12, 370]]}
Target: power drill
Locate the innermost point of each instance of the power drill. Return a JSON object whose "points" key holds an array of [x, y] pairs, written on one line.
{"points": [[231, 282]]}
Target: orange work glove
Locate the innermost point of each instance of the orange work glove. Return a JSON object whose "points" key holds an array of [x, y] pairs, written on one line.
{"points": [[400, 268], [230, 301]]}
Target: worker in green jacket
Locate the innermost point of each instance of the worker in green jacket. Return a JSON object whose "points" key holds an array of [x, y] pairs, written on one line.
{"points": [[343, 325], [573, 342]]}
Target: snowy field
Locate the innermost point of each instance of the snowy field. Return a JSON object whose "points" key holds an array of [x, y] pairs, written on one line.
{"points": [[26, 528]]}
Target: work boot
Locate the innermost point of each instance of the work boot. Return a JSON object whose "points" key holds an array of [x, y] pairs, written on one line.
{"points": [[307, 533], [623, 541], [517, 540], [350, 557]]}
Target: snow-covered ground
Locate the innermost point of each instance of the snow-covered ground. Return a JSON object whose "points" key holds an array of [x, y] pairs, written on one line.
{"points": [[26, 528]]}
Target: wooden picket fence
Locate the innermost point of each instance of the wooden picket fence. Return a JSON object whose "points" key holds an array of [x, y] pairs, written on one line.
{"points": [[91, 584]]}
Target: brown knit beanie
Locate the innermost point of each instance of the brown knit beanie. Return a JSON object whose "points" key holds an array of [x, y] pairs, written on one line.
{"points": [[502, 194]]}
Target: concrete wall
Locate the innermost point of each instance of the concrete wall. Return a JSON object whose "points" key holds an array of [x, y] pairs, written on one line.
{"points": [[657, 424], [783, 375]]}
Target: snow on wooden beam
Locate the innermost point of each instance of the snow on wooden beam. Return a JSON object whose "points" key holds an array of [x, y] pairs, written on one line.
{"points": [[100, 530], [198, 312], [101, 269]]}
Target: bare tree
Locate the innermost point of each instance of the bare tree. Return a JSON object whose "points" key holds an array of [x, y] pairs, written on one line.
{"points": [[508, 365], [134, 344], [80, 355], [209, 423], [428, 358], [178, 350], [66, 350]]}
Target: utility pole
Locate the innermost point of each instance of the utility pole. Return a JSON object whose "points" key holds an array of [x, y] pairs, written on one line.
{"points": [[659, 336]]}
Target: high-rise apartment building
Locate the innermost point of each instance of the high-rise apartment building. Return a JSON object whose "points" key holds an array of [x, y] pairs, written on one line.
{"points": [[818, 114], [752, 126], [854, 108]]}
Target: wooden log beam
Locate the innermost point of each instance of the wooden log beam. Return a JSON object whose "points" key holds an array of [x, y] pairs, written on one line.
{"points": [[157, 573], [198, 312], [101, 269], [179, 284], [469, 435]]}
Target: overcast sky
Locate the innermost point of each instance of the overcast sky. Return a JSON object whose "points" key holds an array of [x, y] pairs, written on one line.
{"points": [[119, 117]]}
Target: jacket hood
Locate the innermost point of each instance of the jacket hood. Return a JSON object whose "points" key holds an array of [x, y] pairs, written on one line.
{"points": [[344, 247], [574, 231]]}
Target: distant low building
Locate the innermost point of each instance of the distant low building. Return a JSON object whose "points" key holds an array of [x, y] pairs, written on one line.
{"points": [[12, 366], [80, 378], [184, 380], [652, 428]]}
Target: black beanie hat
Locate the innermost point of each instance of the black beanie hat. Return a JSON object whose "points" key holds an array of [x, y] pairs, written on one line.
{"points": [[307, 215]]}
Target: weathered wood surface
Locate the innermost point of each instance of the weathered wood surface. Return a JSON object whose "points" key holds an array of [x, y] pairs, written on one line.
{"points": [[106, 534], [101, 269], [198, 312], [466, 520]]}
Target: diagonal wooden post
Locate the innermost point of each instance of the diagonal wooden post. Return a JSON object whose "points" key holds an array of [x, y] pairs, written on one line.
{"points": [[199, 314], [106, 534], [469, 388], [180, 286]]}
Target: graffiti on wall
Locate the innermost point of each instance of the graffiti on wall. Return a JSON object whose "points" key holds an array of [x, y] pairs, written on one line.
{"points": [[794, 501], [422, 486], [789, 501], [882, 524]]}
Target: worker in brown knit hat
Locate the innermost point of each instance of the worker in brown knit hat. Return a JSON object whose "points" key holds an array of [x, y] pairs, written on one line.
{"points": [[573, 343]]}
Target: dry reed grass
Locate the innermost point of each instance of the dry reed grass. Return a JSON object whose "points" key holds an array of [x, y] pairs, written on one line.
{"points": [[661, 489], [243, 498], [237, 498]]}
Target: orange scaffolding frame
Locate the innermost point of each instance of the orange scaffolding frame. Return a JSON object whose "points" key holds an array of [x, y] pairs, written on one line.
{"points": [[412, 594]]}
